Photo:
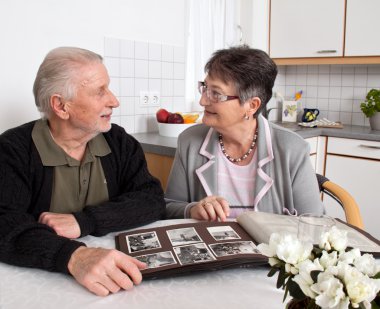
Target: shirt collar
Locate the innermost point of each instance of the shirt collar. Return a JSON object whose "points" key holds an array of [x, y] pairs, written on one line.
{"points": [[53, 155]]}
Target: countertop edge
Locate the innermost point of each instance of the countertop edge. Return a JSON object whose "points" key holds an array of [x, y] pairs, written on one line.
{"points": [[152, 142]]}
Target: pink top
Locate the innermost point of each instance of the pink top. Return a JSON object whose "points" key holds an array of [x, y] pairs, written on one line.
{"points": [[236, 183]]}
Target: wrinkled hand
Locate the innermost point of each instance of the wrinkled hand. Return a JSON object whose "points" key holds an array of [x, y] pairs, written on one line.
{"points": [[211, 208], [63, 224], [104, 271]]}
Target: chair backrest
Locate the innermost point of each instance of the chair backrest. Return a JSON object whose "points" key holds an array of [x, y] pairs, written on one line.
{"points": [[350, 207]]}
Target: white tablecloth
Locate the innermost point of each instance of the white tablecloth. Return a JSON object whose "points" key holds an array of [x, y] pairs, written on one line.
{"points": [[231, 288]]}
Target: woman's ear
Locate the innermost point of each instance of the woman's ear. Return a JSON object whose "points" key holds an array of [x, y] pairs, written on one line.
{"points": [[58, 106], [253, 106]]}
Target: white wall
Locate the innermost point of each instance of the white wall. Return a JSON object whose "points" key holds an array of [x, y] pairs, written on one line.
{"points": [[29, 29]]}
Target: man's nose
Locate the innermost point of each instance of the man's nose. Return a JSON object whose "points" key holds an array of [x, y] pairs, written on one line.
{"points": [[114, 102]]}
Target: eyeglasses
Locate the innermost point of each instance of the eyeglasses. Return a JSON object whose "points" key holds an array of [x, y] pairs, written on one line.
{"points": [[213, 95]]}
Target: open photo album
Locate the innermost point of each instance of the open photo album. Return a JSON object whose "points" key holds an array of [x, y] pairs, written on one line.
{"points": [[203, 245]]}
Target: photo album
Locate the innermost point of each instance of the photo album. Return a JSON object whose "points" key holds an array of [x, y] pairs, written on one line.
{"points": [[189, 247]]}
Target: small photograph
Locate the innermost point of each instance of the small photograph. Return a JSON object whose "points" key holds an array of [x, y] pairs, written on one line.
{"points": [[195, 253], [183, 236], [156, 260], [143, 241], [224, 232], [232, 248]]}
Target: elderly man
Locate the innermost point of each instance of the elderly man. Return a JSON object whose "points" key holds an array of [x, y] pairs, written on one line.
{"points": [[71, 174]]}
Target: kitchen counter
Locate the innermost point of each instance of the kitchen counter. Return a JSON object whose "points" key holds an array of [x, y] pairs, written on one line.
{"points": [[152, 142]]}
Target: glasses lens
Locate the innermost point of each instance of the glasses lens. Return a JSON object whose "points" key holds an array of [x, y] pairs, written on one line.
{"points": [[201, 87]]}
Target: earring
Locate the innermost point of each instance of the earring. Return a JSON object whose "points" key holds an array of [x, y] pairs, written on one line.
{"points": [[246, 117]]}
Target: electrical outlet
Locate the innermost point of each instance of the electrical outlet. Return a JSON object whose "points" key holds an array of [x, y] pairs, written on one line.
{"points": [[154, 98], [144, 98]]}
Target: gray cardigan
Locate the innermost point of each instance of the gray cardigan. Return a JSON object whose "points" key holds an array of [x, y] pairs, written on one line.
{"points": [[285, 180]]}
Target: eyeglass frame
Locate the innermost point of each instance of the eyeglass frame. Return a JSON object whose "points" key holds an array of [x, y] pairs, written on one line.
{"points": [[203, 89]]}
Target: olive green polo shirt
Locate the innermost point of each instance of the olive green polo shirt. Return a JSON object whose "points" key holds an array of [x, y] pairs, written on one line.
{"points": [[75, 183]]}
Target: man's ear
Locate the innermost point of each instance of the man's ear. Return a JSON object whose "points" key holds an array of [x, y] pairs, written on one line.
{"points": [[253, 105], [58, 106]]}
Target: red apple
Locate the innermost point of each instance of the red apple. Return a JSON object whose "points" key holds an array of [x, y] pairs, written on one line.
{"points": [[162, 115], [175, 118]]}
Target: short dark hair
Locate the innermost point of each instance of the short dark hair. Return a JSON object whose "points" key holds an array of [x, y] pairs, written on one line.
{"points": [[252, 72]]}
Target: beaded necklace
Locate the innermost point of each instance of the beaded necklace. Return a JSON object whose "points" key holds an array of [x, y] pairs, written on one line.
{"points": [[244, 156]]}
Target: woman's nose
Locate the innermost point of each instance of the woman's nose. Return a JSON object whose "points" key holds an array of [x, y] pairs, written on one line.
{"points": [[204, 100]]}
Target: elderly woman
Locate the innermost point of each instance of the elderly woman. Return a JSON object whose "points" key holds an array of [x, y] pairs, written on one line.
{"points": [[236, 160]]}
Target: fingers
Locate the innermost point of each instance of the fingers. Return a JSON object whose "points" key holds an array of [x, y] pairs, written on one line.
{"points": [[211, 208], [132, 269], [104, 271]]}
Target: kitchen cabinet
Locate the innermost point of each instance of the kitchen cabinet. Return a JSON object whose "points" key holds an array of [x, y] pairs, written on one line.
{"points": [[159, 166], [324, 32], [306, 28], [355, 166], [362, 28]]}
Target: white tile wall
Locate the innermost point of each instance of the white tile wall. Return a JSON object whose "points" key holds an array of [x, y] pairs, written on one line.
{"points": [[336, 90], [136, 66]]}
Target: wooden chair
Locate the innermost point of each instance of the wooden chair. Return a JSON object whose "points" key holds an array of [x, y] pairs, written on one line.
{"points": [[350, 207]]}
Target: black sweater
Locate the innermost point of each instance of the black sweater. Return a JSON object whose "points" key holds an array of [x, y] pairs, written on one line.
{"points": [[135, 198]]}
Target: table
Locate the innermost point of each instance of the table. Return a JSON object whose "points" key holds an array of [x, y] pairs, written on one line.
{"points": [[230, 288]]}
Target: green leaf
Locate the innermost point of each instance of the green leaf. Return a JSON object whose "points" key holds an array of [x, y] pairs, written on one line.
{"points": [[273, 271], [281, 278], [312, 305], [314, 275], [285, 294], [294, 290], [372, 103], [376, 302]]}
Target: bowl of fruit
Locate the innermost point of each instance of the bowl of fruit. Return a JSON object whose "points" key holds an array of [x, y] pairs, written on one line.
{"points": [[172, 124]]}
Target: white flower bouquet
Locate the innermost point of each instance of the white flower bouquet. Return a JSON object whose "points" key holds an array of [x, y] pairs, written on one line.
{"points": [[324, 276]]}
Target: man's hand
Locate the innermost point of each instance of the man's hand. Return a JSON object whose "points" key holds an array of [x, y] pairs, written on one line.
{"points": [[63, 224], [211, 208], [104, 271]]}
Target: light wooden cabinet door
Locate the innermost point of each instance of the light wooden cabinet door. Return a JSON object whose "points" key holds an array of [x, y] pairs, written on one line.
{"points": [[159, 166], [362, 28], [355, 166], [306, 28]]}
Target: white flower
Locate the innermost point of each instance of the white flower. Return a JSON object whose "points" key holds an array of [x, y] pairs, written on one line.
{"points": [[330, 292], [269, 250], [349, 256], [363, 289], [343, 279], [346, 272], [328, 259], [273, 261], [359, 286], [303, 279], [292, 251], [366, 263], [334, 239], [287, 248]]}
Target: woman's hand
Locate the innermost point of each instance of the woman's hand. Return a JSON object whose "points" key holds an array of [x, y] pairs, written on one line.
{"points": [[211, 208]]}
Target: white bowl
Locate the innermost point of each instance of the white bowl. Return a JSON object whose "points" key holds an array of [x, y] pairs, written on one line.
{"points": [[173, 129]]}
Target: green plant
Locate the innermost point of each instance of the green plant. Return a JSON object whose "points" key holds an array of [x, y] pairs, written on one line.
{"points": [[372, 103]]}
